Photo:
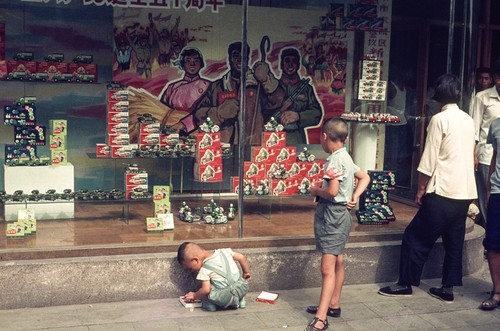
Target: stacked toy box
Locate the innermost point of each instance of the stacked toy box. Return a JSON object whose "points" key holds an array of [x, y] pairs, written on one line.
{"points": [[276, 169], [163, 217], [374, 205], [58, 141], [27, 133]]}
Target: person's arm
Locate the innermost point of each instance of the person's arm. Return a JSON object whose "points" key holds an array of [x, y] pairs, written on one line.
{"points": [[362, 183], [491, 170], [245, 267], [328, 192], [201, 293], [422, 185]]}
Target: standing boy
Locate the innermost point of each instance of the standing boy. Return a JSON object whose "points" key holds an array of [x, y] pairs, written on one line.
{"points": [[332, 219], [446, 187], [222, 285]]}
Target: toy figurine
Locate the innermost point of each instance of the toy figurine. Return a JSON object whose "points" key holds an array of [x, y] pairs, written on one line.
{"points": [[231, 213], [209, 126], [273, 126], [281, 173], [306, 156]]}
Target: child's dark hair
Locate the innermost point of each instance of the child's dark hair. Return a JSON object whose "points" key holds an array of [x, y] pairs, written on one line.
{"points": [[447, 89], [181, 252], [336, 129]]}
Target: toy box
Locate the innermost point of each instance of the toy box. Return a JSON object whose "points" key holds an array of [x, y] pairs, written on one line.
{"points": [[30, 135], [147, 128], [369, 218], [46, 71], [161, 193], [118, 106], [170, 139], [206, 140], [14, 230], [123, 151], [254, 170], [248, 186], [373, 197], [115, 95], [149, 139], [382, 180], [296, 169], [263, 154], [114, 117], [20, 70], [208, 173], [27, 216], [210, 156], [263, 186], [58, 141], [274, 139], [59, 157], [117, 128], [102, 150], [136, 179], [314, 169], [58, 127], [162, 207], [285, 187], [19, 115], [16, 152], [83, 72], [167, 219], [288, 153], [154, 224], [137, 192], [118, 139]]}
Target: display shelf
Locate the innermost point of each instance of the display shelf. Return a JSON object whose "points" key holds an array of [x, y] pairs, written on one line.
{"points": [[40, 178]]}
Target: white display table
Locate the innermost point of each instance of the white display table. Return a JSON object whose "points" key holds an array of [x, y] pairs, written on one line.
{"points": [[42, 178]]}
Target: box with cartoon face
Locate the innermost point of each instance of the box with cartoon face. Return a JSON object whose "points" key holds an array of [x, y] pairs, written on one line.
{"points": [[209, 156], [254, 170], [206, 140], [273, 139], [208, 173]]}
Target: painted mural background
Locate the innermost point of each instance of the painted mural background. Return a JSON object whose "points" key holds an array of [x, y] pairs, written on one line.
{"points": [[72, 28]]}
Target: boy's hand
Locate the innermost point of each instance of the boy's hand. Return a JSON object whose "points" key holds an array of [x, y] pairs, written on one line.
{"points": [[247, 276], [352, 203], [189, 296]]}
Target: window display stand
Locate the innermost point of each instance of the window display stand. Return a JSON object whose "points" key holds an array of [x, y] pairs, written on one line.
{"points": [[40, 178]]}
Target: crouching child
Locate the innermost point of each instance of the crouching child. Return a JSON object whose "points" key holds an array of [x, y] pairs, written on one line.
{"points": [[222, 284]]}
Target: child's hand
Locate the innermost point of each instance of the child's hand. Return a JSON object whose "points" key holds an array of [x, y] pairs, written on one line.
{"points": [[247, 276], [189, 296], [352, 203]]}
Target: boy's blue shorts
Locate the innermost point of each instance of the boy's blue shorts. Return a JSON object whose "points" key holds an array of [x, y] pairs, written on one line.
{"points": [[492, 238], [332, 224]]}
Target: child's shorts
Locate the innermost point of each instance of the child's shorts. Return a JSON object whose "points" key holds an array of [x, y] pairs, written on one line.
{"points": [[492, 237], [332, 224]]}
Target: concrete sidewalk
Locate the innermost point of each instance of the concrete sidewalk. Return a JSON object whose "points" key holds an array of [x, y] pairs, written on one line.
{"points": [[362, 309]]}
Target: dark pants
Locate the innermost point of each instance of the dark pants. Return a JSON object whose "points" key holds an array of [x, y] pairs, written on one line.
{"points": [[437, 217]]}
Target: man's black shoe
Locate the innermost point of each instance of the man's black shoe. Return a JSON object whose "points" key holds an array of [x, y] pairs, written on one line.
{"points": [[396, 290], [439, 293]]}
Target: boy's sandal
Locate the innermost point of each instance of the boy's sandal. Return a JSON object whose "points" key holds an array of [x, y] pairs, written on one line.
{"points": [[490, 303], [312, 325]]}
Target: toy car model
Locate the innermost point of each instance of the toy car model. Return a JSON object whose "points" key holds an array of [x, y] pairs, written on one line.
{"points": [[116, 194], [17, 74], [35, 195], [83, 59], [43, 160], [23, 56], [146, 118], [54, 57], [121, 95], [67, 194], [85, 78], [140, 193], [26, 101], [98, 194], [22, 161], [63, 77], [40, 76], [18, 195], [82, 194], [51, 195]]}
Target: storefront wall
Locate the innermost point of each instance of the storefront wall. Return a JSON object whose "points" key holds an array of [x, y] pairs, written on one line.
{"points": [[134, 45]]}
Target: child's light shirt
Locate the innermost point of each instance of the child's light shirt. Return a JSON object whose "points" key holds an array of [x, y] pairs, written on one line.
{"points": [[216, 260], [339, 165]]}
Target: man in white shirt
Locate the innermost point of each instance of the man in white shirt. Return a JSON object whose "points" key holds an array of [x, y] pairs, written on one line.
{"points": [[446, 188], [486, 109]]}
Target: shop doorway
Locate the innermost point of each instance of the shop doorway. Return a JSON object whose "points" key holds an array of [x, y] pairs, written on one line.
{"points": [[419, 54]]}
